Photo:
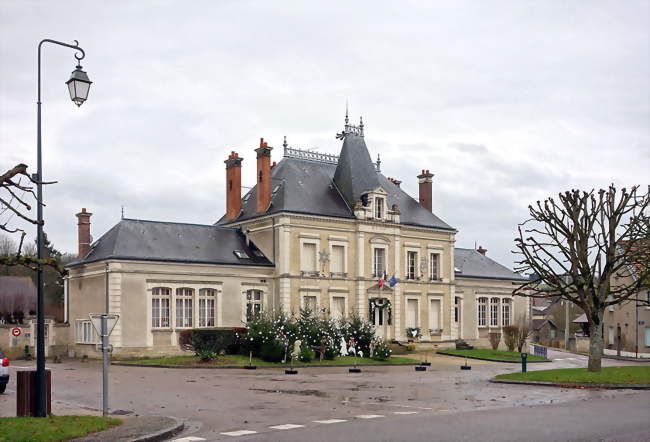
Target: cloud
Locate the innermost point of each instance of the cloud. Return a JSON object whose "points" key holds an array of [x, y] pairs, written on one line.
{"points": [[505, 102]]}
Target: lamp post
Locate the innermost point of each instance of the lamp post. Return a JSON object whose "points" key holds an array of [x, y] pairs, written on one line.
{"points": [[78, 86]]}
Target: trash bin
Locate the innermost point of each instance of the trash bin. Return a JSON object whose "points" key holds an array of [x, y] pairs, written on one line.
{"points": [[26, 392]]}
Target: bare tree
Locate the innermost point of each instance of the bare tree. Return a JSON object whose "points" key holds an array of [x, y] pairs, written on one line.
{"points": [[584, 246], [16, 190]]}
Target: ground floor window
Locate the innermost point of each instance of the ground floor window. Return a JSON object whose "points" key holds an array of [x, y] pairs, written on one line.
{"points": [[309, 303], [647, 336], [338, 307], [207, 300], [505, 312], [85, 333], [184, 304], [412, 313], [434, 315], [456, 308], [494, 312], [160, 307], [482, 312], [253, 304]]}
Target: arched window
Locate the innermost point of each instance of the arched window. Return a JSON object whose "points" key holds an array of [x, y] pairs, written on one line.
{"points": [[505, 312], [207, 303], [494, 312], [482, 312], [184, 312], [160, 299]]}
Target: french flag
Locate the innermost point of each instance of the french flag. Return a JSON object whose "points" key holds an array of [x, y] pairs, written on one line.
{"points": [[382, 279]]}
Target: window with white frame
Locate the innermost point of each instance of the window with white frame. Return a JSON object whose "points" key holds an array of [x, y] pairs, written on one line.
{"points": [[494, 312], [411, 264], [308, 257], [207, 307], [379, 261], [434, 314], [338, 307], [184, 304], [412, 313], [309, 303], [379, 208], [337, 261], [482, 312], [434, 266], [85, 332], [253, 304], [505, 312], [160, 301]]}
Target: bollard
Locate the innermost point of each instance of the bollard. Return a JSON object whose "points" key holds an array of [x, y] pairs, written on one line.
{"points": [[524, 357]]}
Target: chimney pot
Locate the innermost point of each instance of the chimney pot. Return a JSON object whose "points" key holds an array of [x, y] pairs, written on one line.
{"points": [[481, 250], [425, 180], [263, 186], [233, 185]]}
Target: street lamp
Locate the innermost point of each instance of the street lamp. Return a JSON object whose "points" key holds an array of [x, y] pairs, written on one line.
{"points": [[78, 85]]}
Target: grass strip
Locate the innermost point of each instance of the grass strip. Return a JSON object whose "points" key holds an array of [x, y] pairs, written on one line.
{"points": [[494, 355], [242, 360], [52, 428], [607, 375]]}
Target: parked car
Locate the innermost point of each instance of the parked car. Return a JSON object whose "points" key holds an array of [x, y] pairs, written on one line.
{"points": [[4, 371]]}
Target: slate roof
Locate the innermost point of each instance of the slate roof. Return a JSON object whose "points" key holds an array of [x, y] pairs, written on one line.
{"points": [[142, 240], [326, 189], [471, 264]]}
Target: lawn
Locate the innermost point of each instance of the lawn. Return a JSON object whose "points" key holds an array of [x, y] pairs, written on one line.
{"points": [[495, 355], [241, 360], [53, 428], [608, 375]]}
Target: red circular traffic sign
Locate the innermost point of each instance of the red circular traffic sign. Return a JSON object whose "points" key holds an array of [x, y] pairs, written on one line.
{"points": [[15, 331]]}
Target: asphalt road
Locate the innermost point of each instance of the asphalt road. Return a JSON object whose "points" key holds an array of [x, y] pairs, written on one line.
{"points": [[381, 403]]}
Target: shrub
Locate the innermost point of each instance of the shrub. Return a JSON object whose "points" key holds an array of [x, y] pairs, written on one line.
{"points": [[212, 340], [185, 340], [381, 351], [306, 353], [495, 338], [206, 355], [510, 336], [410, 347], [331, 353], [272, 351], [359, 329]]}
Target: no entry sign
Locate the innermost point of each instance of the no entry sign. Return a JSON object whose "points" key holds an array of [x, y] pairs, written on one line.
{"points": [[15, 331]]}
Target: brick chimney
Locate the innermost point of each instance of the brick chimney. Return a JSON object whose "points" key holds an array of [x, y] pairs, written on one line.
{"points": [[83, 230], [233, 185], [481, 250], [263, 176], [425, 179]]}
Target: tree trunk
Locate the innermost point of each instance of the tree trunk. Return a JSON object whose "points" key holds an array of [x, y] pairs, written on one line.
{"points": [[595, 344]]}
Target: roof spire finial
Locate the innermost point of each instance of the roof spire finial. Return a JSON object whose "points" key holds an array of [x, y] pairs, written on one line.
{"points": [[361, 125], [284, 144], [378, 161], [122, 212], [346, 113]]}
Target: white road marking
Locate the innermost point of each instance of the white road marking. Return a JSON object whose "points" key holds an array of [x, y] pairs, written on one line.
{"points": [[330, 421], [188, 439], [369, 416], [239, 433], [411, 406], [405, 412], [286, 427]]}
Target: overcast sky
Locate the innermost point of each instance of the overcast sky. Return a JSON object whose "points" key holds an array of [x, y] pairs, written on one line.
{"points": [[506, 102]]}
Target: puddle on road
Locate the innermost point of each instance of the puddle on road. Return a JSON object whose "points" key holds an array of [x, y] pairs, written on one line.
{"points": [[316, 393]]}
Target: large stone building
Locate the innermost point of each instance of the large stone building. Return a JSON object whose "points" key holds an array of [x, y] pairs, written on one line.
{"points": [[317, 231]]}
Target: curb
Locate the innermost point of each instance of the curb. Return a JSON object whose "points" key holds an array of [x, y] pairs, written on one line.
{"points": [[491, 360], [575, 385], [164, 434], [241, 367]]}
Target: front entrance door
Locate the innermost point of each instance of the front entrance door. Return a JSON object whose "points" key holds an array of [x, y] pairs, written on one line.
{"points": [[379, 316]]}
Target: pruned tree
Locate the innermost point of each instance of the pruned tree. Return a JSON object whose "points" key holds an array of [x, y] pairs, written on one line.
{"points": [[16, 192], [590, 248]]}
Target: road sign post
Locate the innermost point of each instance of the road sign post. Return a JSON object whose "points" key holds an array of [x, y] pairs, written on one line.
{"points": [[103, 325]]}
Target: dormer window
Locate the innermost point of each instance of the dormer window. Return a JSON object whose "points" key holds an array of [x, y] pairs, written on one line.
{"points": [[379, 208]]}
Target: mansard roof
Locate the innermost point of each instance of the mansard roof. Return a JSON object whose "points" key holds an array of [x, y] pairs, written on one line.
{"points": [[319, 184], [471, 264], [141, 240]]}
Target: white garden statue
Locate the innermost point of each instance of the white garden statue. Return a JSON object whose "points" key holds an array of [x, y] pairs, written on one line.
{"points": [[295, 354], [344, 348]]}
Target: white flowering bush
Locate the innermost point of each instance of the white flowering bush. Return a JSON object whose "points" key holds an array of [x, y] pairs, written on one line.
{"points": [[272, 335]]}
